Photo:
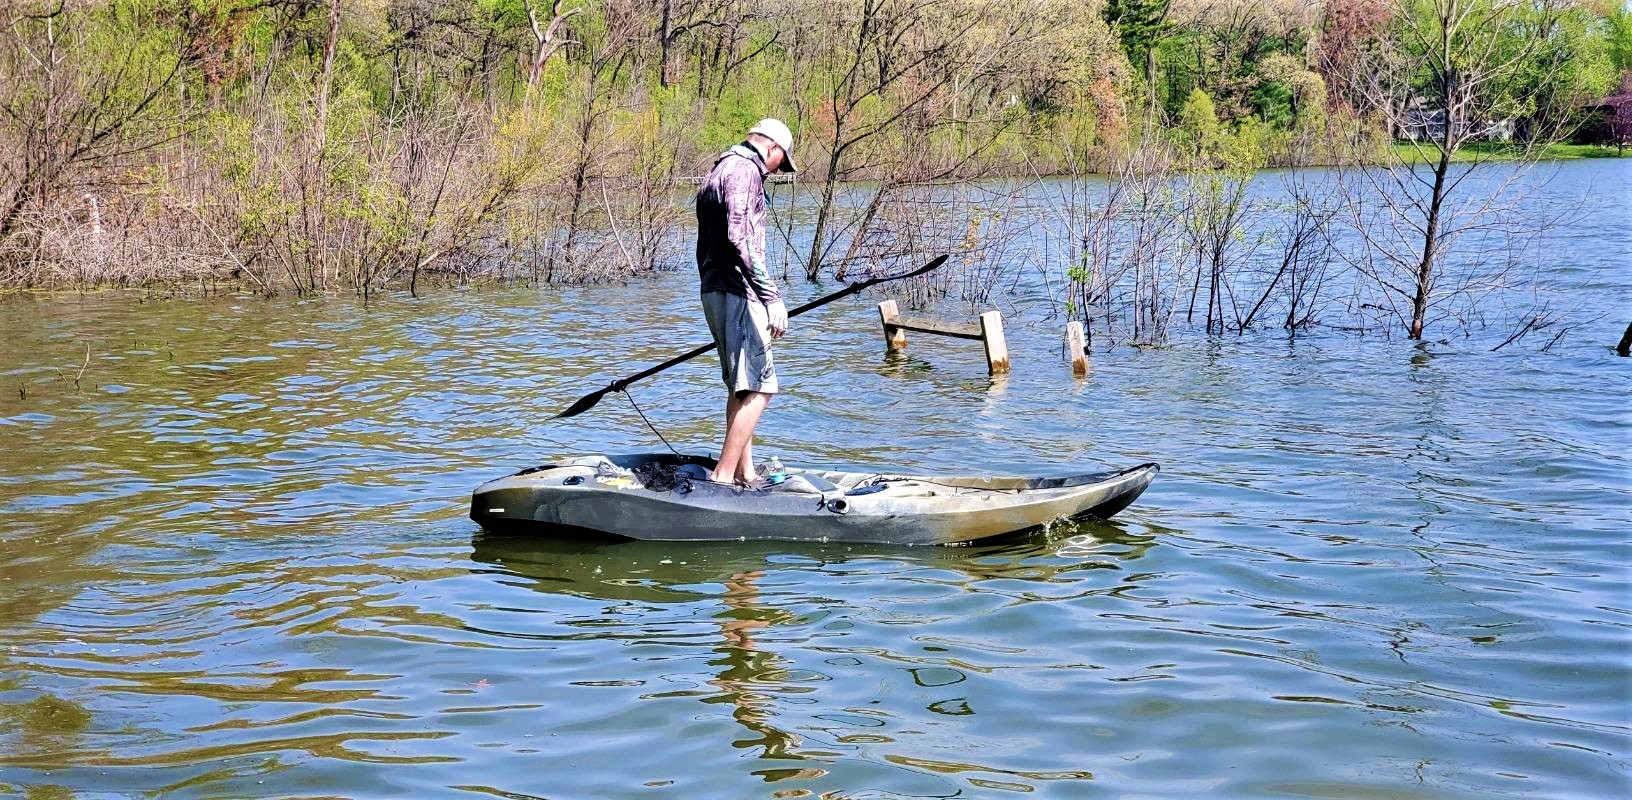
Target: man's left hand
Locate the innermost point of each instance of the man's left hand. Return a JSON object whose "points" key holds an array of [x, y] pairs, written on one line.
{"points": [[778, 319]]}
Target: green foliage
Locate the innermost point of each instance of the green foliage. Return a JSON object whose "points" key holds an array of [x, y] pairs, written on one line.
{"points": [[213, 106], [1618, 35], [1139, 25], [1197, 131], [1562, 61], [1246, 148], [729, 116], [1273, 101]]}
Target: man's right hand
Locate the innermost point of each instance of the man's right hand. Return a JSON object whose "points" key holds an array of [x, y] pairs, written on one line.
{"points": [[778, 319]]}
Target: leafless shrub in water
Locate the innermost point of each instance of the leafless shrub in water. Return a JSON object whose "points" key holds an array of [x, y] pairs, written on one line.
{"points": [[917, 92], [1301, 249], [1218, 214], [1435, 236], [1124, 248], [981, 226]]}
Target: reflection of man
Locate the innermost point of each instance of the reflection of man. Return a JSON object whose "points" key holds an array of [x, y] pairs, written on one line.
{"points": [[743, 305], [747, 667]]}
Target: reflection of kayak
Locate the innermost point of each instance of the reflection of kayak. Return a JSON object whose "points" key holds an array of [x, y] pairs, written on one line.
{"points": [[668, 497], [653, 573], [656, 573]]}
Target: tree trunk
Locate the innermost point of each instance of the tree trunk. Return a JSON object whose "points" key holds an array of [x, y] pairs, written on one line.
{"points": [[867, 217], [1195, 291], [580, 177], [490, 71], [544, 39], [665, 41], [312, 179], [813, 265], [824, 210], [1430, 243], [1214, 301], [326, 79]]}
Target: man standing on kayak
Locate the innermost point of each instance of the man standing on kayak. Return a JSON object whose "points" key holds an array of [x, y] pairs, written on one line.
{"points": [[743, 305]]}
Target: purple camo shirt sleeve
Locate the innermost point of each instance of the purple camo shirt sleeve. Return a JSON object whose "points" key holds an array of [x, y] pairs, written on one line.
{"points": [[744, 198]]}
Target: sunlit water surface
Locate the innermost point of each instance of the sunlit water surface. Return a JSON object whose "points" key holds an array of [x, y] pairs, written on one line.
{"points": [[236, 560]]}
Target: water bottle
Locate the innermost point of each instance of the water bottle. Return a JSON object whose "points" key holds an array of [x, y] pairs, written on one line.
{"points": [[775, 473]]}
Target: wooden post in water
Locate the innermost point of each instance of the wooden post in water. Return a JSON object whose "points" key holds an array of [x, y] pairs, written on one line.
{"points": [[997, 350], [1076, 348], [894, 338], [989, 332]]}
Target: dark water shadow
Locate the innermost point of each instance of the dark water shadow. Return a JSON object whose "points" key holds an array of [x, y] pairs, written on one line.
{"points": [[660, 571]]}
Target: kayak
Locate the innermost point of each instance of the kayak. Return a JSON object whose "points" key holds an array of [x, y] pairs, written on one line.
{"points": [[669, 497]]}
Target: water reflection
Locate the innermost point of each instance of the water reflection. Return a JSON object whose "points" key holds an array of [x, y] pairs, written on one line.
{"points": [[780, 617], [678, 572], [750, 673]]}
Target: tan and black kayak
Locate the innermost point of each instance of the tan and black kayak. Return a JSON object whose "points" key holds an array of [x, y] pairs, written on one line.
{"points": [[668, 497]]}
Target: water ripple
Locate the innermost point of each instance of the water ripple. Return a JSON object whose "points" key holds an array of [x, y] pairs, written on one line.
{"points": [[237, 564]]}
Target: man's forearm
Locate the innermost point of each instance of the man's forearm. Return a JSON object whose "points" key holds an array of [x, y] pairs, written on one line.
{"points": [[759, 279]]}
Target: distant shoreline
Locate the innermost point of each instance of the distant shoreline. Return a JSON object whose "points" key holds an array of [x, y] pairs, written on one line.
{"points": [[196, 286], [1407, 152]]}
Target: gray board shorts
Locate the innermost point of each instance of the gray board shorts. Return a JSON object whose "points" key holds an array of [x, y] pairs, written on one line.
{"points": [[742, 335]]}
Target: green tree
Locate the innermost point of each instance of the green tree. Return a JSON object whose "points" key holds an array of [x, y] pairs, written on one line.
{"points": [[1198, 129], [1140, 25], [1619, 21]]}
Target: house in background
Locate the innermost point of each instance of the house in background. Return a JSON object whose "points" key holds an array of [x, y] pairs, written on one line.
{"points": [[1423, 122], [1608, 120]]}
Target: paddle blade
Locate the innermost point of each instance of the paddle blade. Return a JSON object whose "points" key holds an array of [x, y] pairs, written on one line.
{"points": [[584, 403]]}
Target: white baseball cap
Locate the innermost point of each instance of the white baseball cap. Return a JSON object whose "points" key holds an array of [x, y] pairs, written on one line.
{"points": [[774, 130]]}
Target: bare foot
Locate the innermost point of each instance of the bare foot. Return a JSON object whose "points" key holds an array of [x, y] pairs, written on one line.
{"points": [[747, 480]]}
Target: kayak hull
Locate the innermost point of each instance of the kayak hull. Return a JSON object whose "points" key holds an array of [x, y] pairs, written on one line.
{"points": [[666, 497]]}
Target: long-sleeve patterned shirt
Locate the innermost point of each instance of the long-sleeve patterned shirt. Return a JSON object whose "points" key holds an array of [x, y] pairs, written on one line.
{"points": [[731, 227]]}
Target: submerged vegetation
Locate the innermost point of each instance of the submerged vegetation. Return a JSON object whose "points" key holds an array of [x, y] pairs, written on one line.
{"points": [[312, 145]]}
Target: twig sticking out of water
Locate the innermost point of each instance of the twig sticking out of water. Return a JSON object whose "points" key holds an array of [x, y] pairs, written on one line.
{"points": [[82, 367], [1533, 323]]}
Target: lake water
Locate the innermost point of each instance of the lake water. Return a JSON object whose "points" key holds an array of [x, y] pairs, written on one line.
{"points": [[237, 564]]}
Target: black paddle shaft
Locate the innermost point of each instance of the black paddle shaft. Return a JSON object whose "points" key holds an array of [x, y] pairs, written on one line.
{"points": [[588, 401]]}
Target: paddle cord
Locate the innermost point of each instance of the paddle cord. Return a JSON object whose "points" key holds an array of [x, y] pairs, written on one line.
{"points": [[636, 406], [648, 422]]}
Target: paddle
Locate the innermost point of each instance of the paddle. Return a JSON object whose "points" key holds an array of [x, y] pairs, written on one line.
{"points": [[588, 401]]}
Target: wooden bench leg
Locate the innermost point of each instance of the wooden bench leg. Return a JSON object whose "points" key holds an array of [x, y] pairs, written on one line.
{"points": [[894, 338], [1075, 348], [997, 350]]}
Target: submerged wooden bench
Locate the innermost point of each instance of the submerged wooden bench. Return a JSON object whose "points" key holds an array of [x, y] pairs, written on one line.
{"points": [[988, 330]]}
